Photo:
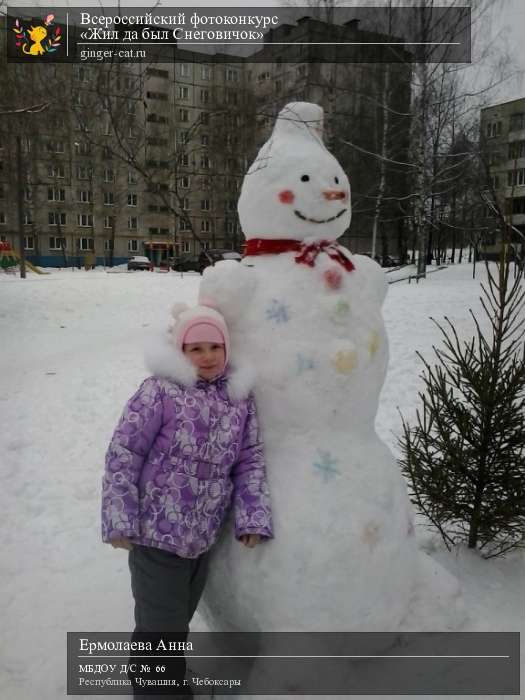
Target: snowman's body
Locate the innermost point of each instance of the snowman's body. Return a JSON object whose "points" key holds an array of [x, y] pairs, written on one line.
{"points": [[344, 554]]}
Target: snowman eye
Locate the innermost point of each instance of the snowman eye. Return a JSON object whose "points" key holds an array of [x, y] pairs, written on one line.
{"points": [[336, 180], [305, 178]]}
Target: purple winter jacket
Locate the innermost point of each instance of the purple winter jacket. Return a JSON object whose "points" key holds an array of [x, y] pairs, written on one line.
{"points": [[180, 455]]}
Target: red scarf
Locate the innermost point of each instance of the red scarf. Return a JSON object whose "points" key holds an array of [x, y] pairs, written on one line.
{"points": [[307, 252]]}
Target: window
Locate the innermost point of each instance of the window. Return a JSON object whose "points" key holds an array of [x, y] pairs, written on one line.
{"points": [[278, 85], [205, 118], [107, 153], [205, 96], [494, 182], [109, 175], [232, 74], [185, 160], [516, 150], [84, 172], [205, 72], [82, 148], [29, 243], [182, 135], [185, 203], [28, 194], [205, 162], [493, 129], [86, 244], [184, 92], [132, 177], [231, 205], [156, 141], [85, 219], [157, 72], [133, 245], [205, 183], [518, 205], [133, 223], [85, 196], [108, 222], [28, 218], [205, 226], [26, 144], [55, 146], [2, 217], [132, 199], [205, 204], [300, 72], [56, 218], [109, 199], [157, 95], [264, 76], [205, 140], [184, 115], [517, 121], [108, 244], [56, 194], [184, 70], [231, 97], [56, 243], [56, 170], [516, 178], [81, 74], [132, 132], [132, 106], [230, 227], [184, 225], [205, 245], [185, 182]]}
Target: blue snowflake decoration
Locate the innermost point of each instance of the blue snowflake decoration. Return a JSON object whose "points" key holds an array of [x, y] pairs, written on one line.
{"points": [[326, 465], [304, 363], [277, 312]]}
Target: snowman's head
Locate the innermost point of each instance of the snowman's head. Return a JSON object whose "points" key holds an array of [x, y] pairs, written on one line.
{"points": [[295, 188]]}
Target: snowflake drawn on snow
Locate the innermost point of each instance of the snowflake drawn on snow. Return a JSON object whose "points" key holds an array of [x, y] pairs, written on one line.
{"points": [[277, 312], [326, 465], [304, 363]]}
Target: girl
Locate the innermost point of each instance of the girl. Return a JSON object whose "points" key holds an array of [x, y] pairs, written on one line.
{"points": [[186, 446]]}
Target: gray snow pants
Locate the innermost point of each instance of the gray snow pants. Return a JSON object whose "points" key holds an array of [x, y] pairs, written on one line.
{"points": [[167, 589]]}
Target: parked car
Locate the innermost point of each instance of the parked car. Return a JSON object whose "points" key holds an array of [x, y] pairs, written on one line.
{"points": [[210, 257], [182, 264], [391, 261], [139, 262]]}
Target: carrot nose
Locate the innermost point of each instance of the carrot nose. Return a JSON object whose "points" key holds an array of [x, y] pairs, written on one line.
{"points": [[334, 194]]}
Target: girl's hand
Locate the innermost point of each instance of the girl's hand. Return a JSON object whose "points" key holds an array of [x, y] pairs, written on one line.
{"points": [[121, 543], [250, 540]]}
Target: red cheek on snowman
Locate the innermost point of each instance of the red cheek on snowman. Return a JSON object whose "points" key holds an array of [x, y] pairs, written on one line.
{"points": [[286, 196]]}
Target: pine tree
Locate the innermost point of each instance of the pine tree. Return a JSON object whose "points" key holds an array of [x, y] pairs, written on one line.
{"points": [[465, 456]]}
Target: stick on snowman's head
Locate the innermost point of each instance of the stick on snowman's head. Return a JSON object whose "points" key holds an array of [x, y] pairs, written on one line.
{"points": [[295, 188]]}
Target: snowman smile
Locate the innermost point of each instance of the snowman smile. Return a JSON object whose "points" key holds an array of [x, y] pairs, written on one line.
{"points": [[318, 221]]}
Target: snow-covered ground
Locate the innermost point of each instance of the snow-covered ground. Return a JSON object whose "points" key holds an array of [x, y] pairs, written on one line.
{"points": [[71, 356]]}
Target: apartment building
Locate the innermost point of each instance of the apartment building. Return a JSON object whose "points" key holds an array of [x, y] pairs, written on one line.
{"points": [[149, 159], [503, 140]]}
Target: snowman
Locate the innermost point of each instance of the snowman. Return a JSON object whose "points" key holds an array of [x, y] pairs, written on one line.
{"points": [[306, 314]]}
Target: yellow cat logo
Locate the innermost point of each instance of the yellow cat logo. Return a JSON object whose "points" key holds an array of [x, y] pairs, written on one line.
{"points": [[37, 41], [36, 34]]}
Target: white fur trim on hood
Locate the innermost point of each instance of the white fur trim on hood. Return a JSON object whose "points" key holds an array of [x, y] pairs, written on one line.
{"points": [[165, 360]]}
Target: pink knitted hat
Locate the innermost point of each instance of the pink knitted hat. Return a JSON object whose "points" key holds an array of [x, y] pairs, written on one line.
{"points": [[200, 324]]}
